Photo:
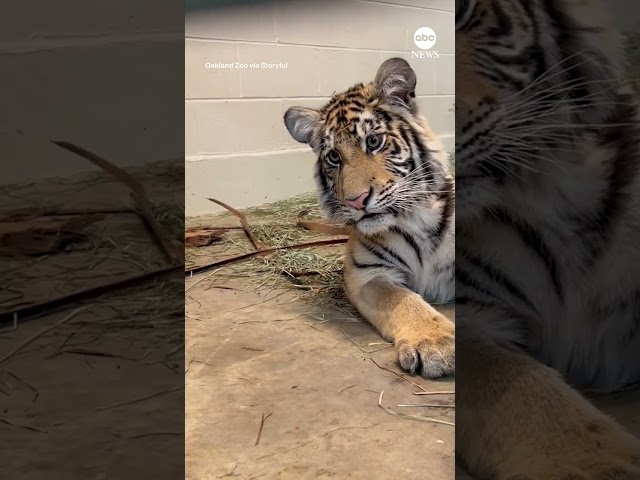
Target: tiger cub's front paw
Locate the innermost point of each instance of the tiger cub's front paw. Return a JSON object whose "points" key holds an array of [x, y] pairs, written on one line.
{"points": [[428, 349]]}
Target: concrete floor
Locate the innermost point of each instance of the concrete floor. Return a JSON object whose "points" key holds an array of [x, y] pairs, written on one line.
{"points": [[56, 419], [100, 395], [250, 355]]}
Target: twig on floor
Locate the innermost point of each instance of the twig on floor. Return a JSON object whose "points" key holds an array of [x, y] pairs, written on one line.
{"points": [[66, 340], [346, 388], [142, 399], [169, 249], [35, 310], [194, 299], [258, 303], [409, 416], [261, 427], [267, 251], [222, 287], [32, 213], [36, 393], [429, 405], [264, 321], [203, 363], [367, 345], [399, 375], [316, 328], [20, 425], [189, 365], [321, 226], [201, 279], [444, 392], [257, 244], [39, 334], [92, 353]]}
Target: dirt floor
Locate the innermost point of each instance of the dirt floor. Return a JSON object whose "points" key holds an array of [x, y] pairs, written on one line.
{"points": [[281, 386], [90, 387], [251, 354]]}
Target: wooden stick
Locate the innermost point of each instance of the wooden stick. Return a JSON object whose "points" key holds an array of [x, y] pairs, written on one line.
{"points": [[141, 399], [446, 392], [266, 251], [30, 213], [399, 375], [139, 195], [321, 226], [48, 306], [257, 244], [261, 427], [20, 425]]}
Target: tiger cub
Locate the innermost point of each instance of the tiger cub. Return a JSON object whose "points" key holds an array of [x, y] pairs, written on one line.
{"points": [[547, 257], [382, 171]]}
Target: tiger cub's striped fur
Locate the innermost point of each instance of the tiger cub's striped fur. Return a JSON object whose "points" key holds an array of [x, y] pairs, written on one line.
{"points": [[548, 235], [381, 170]]}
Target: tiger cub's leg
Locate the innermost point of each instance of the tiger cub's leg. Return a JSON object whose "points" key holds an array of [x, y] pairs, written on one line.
{"points": [[518, 419], [423, 337]]}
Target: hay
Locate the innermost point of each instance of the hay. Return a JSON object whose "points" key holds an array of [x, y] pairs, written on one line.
{"points": [[117, 246], [315, 272], [171, 218], [289, 208]]}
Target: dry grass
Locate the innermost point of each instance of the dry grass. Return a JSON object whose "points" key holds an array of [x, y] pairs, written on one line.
{"points": [[315, 272], [171, 218], [116, 246], [288, 209]]}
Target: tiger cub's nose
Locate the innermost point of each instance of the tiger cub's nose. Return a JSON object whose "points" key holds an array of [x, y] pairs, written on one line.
{"points": [[360, 202]]}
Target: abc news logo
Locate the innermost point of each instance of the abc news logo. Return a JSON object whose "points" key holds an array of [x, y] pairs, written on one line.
{"points": [[424, 38]]}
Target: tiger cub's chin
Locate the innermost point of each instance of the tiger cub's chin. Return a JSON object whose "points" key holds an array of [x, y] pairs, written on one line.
{"points": [[373, 224]]}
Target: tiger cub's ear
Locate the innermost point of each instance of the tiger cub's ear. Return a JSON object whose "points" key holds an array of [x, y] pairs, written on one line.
{"points": [[396, 82], [301, 121]]}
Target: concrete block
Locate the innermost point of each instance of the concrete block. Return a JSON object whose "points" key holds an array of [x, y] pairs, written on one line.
{"points": [[245, 23], [247, 180], [206, 71], [277, 70], [232, 127], [341, 69]]}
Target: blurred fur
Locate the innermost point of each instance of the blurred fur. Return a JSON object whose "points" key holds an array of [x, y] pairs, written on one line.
{"points": [[547, 247]]}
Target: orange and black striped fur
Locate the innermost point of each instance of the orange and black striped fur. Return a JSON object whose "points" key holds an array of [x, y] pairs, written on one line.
{"points": [[547, 240], [381, 170]]}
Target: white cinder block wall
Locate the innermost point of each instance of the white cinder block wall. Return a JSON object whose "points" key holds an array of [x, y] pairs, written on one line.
{"points": [[237, 148]]}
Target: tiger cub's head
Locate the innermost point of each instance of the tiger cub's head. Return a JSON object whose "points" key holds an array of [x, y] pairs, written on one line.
{"points": [[378, 161], [535, 82]]}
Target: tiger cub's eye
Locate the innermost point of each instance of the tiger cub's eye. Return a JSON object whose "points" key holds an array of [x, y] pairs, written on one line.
{"points": [[373, 142], [333, 158]]}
